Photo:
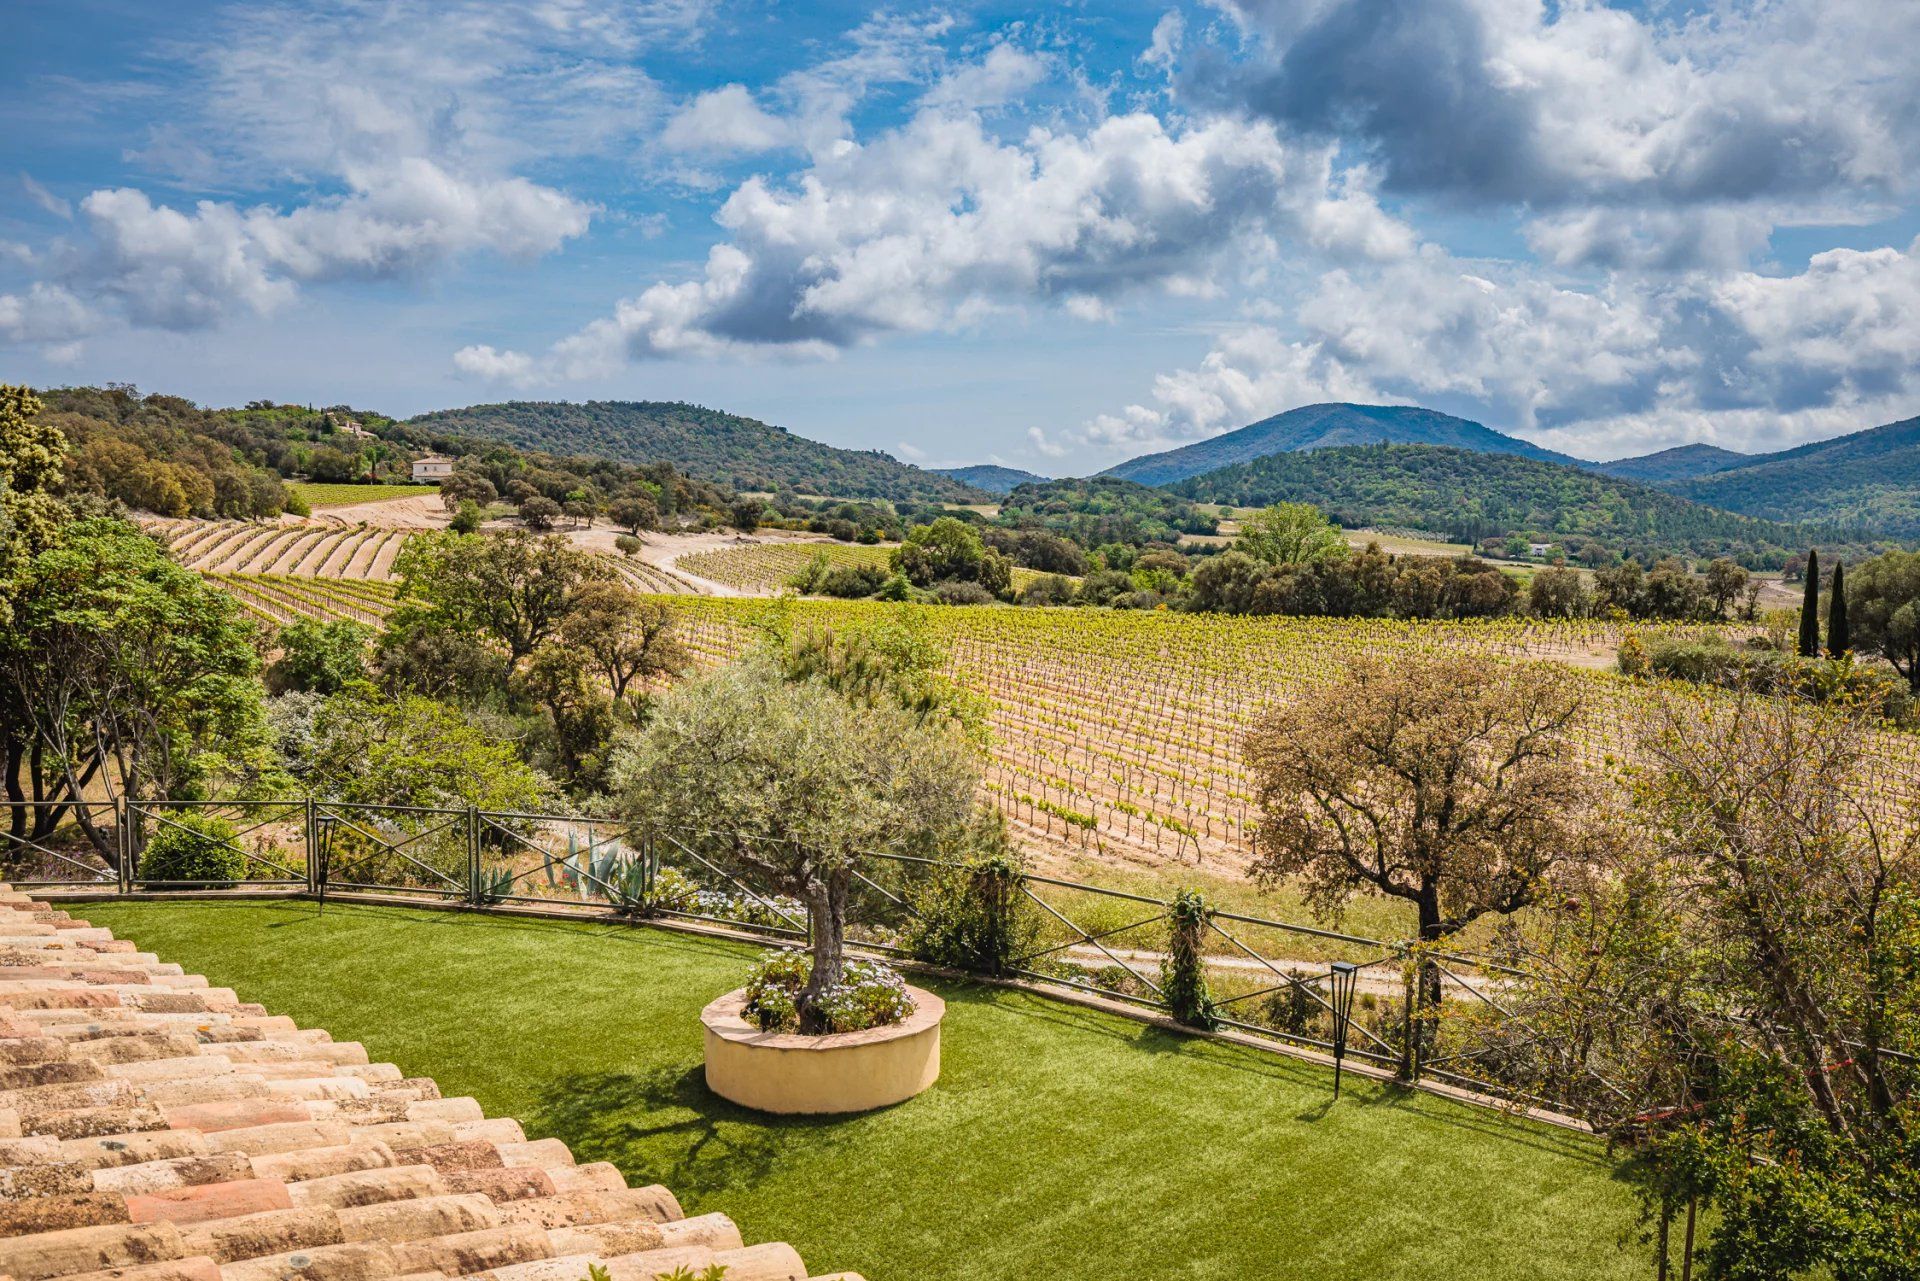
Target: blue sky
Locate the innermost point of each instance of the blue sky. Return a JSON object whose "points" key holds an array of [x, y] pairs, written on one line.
{"points": [[1051, 236]]}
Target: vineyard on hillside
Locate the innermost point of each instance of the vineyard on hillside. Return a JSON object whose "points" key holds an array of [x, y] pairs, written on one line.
{"points": [[280, 598], [1117, 734], [765, 568], [313, 550], [318, 495]]}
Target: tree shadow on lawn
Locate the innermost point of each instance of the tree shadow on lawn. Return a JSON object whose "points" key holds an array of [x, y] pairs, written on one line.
{"points": [[633, 1120]]}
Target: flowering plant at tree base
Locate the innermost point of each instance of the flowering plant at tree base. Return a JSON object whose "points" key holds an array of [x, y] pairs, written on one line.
{"points": [[869, 994]]}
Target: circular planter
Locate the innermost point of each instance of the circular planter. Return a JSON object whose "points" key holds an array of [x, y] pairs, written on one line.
{"points": [[843, 1072]]}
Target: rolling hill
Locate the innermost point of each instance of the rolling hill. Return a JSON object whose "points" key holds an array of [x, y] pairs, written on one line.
{"points": [[743, 453], [1471, 496], [992, 477], [1682, 462], [1312, 427], [1867, 482]]}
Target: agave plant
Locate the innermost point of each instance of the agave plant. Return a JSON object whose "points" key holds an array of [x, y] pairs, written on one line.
{"points": [[496, 882]]}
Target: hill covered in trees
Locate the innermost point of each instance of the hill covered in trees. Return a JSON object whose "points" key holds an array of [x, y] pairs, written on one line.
{"points": [[1867, 483], [741, 453], [1102, 510], [1474, 496], [991, 477], [1682, 462], [1326, 427]]}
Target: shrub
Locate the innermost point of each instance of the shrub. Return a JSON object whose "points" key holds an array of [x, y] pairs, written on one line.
{"points": [[869, 995], [1054, 589], [194, 848], [627, 545], [853, 581], [954, 591], [1183, 976], [968, 917], [467, 518]]}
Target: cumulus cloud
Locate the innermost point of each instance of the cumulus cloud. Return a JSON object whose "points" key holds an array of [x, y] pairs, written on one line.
{"points": [[404, 118], [726, 122], [1756, 111], [1738, 357], [43, 314], [938, 224], [183, 270]]}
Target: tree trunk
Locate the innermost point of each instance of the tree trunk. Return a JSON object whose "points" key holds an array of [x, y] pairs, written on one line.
{"points": [[16, 795], [827, 924], [1427, 988]]}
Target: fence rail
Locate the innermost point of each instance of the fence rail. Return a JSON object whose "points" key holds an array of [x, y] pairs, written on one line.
{"points": [[1385, 1003]]}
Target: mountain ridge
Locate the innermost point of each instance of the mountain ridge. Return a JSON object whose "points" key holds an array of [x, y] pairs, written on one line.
{"points": [[729, 449], [1471, 496], [1327, 426], [992, 477]]}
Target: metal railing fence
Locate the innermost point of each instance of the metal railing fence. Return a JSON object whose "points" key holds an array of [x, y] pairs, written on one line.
{"points": [[1270, 979]]}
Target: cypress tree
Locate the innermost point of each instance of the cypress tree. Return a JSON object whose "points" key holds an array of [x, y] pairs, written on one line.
{"points": [[1838, 641], [1810, 609]]}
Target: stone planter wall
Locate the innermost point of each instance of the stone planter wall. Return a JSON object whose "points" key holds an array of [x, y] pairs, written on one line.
{"points": [[845, 1072]]}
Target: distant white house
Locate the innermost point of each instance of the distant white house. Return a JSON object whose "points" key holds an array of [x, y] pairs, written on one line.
{"points": [[432, 468], [1533, 549]]}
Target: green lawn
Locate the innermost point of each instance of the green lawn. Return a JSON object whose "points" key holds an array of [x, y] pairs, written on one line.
{"points": [[1059, 1141], [318, 496]]}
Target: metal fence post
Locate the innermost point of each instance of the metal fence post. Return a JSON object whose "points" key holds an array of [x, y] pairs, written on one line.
{"points": [[473, 855], [123, 814], [1409, 1056], [307, 839]]}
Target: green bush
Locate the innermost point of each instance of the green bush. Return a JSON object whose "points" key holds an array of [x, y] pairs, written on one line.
{"points": [[969, 918], [1183, 975], [193, 848]]}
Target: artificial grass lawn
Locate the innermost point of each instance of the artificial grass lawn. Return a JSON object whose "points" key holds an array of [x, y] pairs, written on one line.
{"points": [[1059, 1141], [346, 495]]}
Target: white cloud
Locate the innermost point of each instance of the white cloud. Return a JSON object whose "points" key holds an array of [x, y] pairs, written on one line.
{"points": [[1751, 114], [1000, 77], [45, 199], [937, 225], [726, 122], [911, 452], [494, 366], [43, 314], [1169, 34], [184, 270], [1043, 445], [1744, 359]]}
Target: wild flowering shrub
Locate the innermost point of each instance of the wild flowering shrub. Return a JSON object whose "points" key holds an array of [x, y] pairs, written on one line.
{"points": [[675, 891], [869, 995]]}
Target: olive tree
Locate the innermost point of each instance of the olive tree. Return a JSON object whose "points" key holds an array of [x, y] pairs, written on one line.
{"points": [[1449, 782], [789, 785]]}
